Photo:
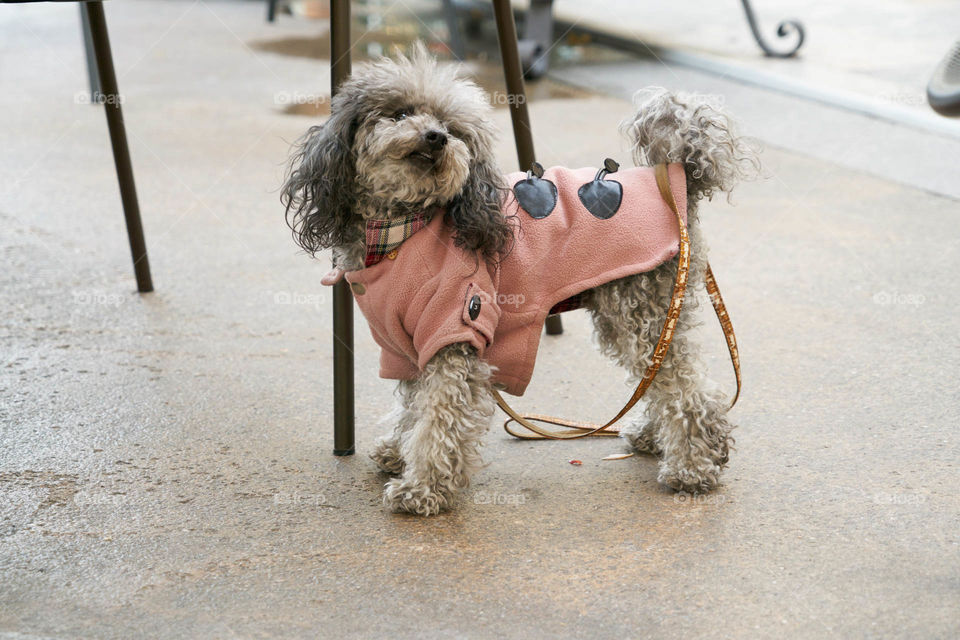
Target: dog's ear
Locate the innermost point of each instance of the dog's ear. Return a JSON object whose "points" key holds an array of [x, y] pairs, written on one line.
{"points": [[476, 213], [320, 187]]}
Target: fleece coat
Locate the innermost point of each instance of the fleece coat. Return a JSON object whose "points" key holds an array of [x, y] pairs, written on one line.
{"points": [[429, 294]]}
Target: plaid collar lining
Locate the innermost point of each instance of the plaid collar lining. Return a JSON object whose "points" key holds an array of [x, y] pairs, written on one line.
{"points": [[384, 236]]}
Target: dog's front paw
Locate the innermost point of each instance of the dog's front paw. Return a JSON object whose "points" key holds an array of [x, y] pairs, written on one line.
{"points": [[693, 479], [401, 495], [695, 467], [642, 436], [386, 453]]}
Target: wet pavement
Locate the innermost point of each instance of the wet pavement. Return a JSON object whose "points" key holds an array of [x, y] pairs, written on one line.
{"points": [[165, 465]]}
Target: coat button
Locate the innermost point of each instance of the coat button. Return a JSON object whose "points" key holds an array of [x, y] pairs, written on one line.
{"points": [[358, 288], [474, 308], [392, 255]]}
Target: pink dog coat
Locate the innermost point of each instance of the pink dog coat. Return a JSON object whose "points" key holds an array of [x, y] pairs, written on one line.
{"points": [[429, 294]]}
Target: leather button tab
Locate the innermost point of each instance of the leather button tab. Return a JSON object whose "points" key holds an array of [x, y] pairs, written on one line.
{"points": [[358, 288], [537, 196], [474, 308]]}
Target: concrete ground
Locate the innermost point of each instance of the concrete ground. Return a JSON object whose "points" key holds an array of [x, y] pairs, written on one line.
{"points": [[165, 466]]}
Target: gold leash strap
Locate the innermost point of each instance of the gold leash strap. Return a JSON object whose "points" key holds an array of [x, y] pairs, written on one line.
{"points": [[584, 429], [721, 310]]}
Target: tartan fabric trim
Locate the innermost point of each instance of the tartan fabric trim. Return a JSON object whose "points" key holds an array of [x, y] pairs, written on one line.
{"points": [[383, 236]]}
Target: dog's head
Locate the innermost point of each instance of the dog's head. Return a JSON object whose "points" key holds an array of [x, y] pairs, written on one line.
{"points": [[403, 135]]}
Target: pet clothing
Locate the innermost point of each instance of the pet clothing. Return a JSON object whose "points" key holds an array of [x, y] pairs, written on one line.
{"points": [[577, 230]]}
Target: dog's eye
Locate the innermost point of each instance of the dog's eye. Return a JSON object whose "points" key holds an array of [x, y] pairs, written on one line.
{"points": [[400, 115]]}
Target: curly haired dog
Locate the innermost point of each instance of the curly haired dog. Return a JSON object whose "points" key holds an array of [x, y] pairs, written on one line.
{"points": [[409, 135]]}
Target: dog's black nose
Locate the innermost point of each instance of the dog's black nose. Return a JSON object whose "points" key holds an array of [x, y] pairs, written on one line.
{"points": [[436, 139]]}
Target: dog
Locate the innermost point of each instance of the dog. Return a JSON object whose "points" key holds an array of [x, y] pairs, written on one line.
{"points": [[407, 154]]}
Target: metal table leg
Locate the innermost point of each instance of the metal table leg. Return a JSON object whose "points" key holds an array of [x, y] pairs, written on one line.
{"points": [[513, 73], [343, 405], [110, 96]]}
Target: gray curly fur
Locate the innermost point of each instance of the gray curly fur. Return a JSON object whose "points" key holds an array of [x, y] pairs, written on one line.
{"points": [[435, 445], [320, 190], [684, 422], [692, 129], [347, 171]]}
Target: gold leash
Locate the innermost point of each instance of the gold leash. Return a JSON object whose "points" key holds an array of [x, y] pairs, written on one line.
{"points": [[576, 429]]}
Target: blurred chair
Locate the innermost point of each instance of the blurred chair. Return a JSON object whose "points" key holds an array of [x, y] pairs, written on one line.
{"points": [[533, 48], [103, 89], [538, 33]]}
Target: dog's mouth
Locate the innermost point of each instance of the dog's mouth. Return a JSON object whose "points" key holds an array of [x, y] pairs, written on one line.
{"points": [[424, 157]]}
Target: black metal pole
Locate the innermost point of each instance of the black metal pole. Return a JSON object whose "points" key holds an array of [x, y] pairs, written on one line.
{"points": [[110, 96], [513, 74], [343, 416]]}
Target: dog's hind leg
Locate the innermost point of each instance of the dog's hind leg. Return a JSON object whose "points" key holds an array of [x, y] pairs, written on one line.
{"points": [[684, 423], [694, 434], [452, 407], [627, 317], [386, 449]]}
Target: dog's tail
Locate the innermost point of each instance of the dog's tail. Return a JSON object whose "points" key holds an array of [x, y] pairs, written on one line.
{"points": [[694, 130]]}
